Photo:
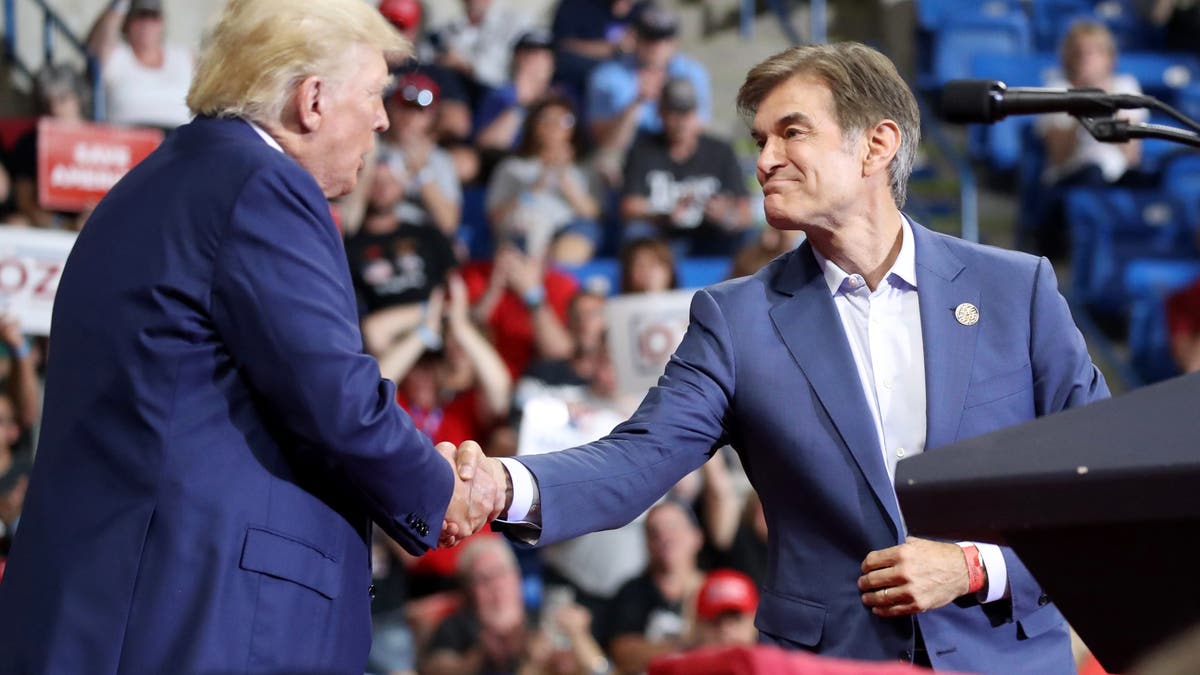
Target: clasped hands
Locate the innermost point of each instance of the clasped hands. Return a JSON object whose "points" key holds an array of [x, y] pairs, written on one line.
{"points": [[482, 491], [914, 577]]}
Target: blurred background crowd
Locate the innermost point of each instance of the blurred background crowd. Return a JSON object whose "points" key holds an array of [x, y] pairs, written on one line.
{"points": [[546, 157]]}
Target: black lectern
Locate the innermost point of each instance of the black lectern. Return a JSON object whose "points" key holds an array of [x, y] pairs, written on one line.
{"points": [[1101, 503]]}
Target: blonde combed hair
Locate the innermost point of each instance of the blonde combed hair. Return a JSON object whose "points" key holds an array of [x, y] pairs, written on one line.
{"points": [[260, 50]]}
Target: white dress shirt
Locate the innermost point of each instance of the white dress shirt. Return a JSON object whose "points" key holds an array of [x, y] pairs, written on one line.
{"points": [[883, 328]]}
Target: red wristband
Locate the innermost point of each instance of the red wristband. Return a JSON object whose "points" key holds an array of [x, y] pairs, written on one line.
{"points": [[976, 577]]}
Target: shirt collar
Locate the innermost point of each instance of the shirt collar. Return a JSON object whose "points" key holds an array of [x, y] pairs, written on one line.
{"points": [[264, 135], [904, 268]]}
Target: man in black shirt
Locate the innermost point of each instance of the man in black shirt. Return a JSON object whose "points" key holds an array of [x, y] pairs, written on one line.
{"points": [[683, 184]]}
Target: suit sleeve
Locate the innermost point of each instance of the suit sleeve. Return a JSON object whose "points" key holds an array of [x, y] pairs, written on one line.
{"points": [[283, 303], [1063, 377], [680, 423]]}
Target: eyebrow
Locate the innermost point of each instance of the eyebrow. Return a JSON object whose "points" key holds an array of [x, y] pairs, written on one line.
{"points": [[789, 119]]}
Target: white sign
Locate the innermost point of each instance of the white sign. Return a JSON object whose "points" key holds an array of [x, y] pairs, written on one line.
{"points": [[643, 331], [31, 264]]}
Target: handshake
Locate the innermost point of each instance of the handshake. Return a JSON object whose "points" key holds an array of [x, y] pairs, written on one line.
{"points": [[482, 491]]}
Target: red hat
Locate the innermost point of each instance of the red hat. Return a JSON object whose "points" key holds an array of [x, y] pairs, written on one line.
{"points": [[416, 89], [726, 591], [404, 14]]}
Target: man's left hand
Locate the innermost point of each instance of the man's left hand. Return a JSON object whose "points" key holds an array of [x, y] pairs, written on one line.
{"points": [[916, 576]]}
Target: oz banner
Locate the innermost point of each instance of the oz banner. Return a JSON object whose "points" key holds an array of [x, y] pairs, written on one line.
{"points": [[31, 263]]}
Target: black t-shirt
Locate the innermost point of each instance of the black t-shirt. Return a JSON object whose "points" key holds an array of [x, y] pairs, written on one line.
{"points": [[459, 633], [640, 608], [400, 267], [712, 169]]}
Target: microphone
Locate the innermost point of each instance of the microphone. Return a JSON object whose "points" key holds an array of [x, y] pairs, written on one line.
{"points": [[987, 101]]}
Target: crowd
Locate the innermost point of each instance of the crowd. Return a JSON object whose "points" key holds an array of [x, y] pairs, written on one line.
{"points": [[515, 153]]}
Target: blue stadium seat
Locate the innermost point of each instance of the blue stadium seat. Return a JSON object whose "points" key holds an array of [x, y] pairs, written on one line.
{"points": [[1051, 19], [702, 271], [1181, 181], [1111, 226], [1148, 283], [1048, 18], [598, 274], [1000, 145], [1160, 74], [962, 36]]}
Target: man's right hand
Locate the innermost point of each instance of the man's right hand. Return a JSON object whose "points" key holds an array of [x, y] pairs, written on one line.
{"points": [[482, 491]]}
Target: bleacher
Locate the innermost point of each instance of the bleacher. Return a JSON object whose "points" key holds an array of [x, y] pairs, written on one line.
{"points": [[1130, 246]]}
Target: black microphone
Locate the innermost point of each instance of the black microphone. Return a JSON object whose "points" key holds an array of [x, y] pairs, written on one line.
{"points": [[987, 101]]}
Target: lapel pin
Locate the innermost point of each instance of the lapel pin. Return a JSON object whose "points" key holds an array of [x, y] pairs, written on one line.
{"points": [[967, 314]]}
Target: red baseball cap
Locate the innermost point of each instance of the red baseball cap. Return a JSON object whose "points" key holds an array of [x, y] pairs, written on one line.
{"points": [[417, 90], [726, 591], [404, 14]]}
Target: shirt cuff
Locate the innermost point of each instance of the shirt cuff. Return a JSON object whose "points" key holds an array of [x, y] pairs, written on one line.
{"points": [[524, 491], [997, 572]]}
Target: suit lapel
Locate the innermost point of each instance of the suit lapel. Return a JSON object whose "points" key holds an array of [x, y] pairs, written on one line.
{"points": [[809, 326], [943, 283]]}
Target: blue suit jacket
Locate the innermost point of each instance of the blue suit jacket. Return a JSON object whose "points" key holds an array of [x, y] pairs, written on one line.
{"points": [[765, 366], [215, 442]]}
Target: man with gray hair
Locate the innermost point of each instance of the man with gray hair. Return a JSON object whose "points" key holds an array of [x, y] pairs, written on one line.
{"points": [[216, 444], [874, 340]]}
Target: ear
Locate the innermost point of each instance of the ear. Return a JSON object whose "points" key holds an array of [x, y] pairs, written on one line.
{"points": [[883, 142], [309, 103]]}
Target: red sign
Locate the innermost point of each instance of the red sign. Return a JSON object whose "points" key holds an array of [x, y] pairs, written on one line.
{"points": [[79, 162]]}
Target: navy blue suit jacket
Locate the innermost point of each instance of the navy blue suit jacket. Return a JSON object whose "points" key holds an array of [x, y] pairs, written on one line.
{"points": [[765, 366], [215, 442]]}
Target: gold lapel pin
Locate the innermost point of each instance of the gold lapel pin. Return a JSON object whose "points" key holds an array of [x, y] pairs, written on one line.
{"points": [[967, 314]]}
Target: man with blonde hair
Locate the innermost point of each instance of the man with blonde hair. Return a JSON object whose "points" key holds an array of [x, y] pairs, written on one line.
{"points": [[216, 444], [874, 340]]}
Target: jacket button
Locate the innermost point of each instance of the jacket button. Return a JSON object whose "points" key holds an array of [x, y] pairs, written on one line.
{"points": [[371, 591], [1043, 600], [906, 655]]}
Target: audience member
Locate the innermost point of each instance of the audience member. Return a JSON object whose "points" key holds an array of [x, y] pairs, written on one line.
{"points": [[1183, 327], [747, 552], [1179, 21], [491, 633], [432, 192], [645, 619], [20, 372], [453, 121], [478, 46], [541, 192], [393, 263], [1073, 157], [145, 79], [724, 612], [502, 112], [647, 266], [449, 378], [523, 302], [767, 246], [589, 32], [59, 94], [623, 93], [685, 185]]}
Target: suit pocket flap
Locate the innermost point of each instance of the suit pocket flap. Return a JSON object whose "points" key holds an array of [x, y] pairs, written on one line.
{"points": [[791, 618], [279, 556], [1039, 621], [999, 386]]}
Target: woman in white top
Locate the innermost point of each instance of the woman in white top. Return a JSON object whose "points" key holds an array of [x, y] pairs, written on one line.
{"points": [[540, 195], [1073, 157], [145, 80]]}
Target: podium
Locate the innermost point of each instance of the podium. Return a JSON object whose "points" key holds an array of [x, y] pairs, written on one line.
{"points": [[1102, 503]]}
